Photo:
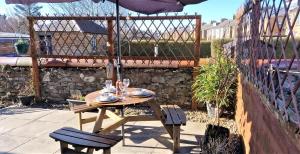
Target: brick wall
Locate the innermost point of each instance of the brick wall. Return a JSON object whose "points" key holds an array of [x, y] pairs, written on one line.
{"points": [[262, 129]]}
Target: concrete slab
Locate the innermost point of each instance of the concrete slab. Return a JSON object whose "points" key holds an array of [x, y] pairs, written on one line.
{"points": [[41, 145], [10, 124], [35, 129], [9, 142], [31, 135], [58, 116], [24, 113]]}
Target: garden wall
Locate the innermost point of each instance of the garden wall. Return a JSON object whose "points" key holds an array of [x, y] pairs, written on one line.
{"points": [[171, 85], [262, 128]]}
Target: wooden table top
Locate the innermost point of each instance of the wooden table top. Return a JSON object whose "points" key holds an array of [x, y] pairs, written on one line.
{"points": [[91, 100]]}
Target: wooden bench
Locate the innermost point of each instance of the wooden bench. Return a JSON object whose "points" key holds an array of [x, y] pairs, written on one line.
{"points": [[79, 107], [83, 140], [172, 118]]}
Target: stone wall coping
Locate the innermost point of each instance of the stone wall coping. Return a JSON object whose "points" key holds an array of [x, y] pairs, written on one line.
{"points": [[27, 62]]}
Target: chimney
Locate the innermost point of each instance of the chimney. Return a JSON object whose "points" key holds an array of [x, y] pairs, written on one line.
{"points": [[223, 19]]}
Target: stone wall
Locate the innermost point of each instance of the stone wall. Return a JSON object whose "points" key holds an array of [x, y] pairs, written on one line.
{"points": [[14, 81], [262, 128], [57, 84]]}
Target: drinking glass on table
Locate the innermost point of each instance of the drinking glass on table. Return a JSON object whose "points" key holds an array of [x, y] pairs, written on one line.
{"points": [[108, 84], [123, 91], [126, 82]]}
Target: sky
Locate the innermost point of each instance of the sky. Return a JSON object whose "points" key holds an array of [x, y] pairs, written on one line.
{"points": [[210, 10]]}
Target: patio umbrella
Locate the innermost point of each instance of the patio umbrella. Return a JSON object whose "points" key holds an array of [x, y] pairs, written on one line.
{"points": [[141, 6]]}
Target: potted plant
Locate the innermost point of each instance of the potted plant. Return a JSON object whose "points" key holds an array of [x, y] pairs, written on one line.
{"points": [[26, 95], [21, 46], [214, 86], [214, 82]]}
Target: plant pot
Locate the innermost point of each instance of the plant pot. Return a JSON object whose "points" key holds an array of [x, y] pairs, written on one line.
{"points": [[25, 100], [21, 49], [212, 110], [215, 138]]}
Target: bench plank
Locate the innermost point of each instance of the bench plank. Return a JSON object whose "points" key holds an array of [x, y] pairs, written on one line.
{"points": [[82, 108], [174, 115], [181, 114], [86, 137], [78, 142], [167, 114], [112, 137]]}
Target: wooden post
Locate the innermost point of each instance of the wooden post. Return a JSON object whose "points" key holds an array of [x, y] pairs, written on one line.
{"points": [[196, 54], [35, 67], [197, 41], [111, 49]]}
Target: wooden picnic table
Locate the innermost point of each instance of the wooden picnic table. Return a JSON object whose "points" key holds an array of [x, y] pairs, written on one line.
{"points": [[120, 120]]}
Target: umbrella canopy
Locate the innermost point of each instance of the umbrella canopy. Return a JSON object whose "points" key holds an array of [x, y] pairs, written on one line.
{"points": [[141, 6]]}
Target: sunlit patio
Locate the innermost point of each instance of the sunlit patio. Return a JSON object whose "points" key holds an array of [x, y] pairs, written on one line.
{"points": [[26, 130]]}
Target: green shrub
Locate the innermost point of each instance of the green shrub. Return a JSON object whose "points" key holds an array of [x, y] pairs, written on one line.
{"points": [[168, 49], [214, 81], [217, 46], [205, 51]]}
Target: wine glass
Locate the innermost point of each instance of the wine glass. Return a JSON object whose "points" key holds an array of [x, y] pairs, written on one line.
{"points": [[126, 82], [108, 84]]}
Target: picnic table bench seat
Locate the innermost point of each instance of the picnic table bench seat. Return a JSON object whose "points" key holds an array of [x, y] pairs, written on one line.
{"points": [[80, 140], [172, 118], [79, 107]]}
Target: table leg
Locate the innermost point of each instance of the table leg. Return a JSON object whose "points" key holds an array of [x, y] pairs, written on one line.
{"points": [[99, 120], [122, 131]]}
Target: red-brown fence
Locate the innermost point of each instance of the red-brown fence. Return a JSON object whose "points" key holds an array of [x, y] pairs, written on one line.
{"points": [[268, 47], [87, 41]]}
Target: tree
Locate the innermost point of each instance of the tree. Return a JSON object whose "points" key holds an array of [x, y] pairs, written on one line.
{"points": [[23, 11], [85, 7]]}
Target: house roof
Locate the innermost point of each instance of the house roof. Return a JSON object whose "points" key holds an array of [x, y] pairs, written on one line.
{"points": [[13, 35], [84, 26]]}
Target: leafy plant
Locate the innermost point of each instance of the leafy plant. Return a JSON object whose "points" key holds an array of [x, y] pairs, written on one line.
{"points": [[21, 46], [214, 81]]}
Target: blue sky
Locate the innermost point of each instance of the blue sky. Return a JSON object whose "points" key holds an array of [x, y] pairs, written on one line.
{"points": [[210, 10]]}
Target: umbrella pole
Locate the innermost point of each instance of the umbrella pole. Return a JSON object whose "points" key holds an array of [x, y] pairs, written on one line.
{"points": [[119, 64]]}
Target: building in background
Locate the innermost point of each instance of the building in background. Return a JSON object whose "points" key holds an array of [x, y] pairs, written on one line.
{"points": [[225, 29], [7, 41]]}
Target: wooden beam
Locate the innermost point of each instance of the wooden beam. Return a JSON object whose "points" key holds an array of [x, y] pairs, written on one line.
{"points": [[114, 126], [197, 41], [35, 68], [111, 50], [141, 118], [99, 120]]}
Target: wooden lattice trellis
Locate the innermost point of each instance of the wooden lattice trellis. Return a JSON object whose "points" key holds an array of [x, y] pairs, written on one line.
{"points": [[145, 40], [268, 47]]}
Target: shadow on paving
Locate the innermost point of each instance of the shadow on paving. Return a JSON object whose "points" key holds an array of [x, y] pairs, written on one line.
{"points": [[137, 135], [19, 110]]}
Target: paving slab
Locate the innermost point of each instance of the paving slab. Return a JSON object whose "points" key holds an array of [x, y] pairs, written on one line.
{"points": [[24, 113], [40, 145], [9, 124], [31, 135], [35, 129], [58, 116], [9, 142]]}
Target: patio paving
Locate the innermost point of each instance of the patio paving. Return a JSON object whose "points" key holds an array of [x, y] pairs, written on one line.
{"points": [[26, 130]]}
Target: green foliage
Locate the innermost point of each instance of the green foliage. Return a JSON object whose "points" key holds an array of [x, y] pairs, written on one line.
{"points": [[205, 49], [214, 82], [21, 42], [22, 46], [217, 46], [27, 10], [169, 49]]}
